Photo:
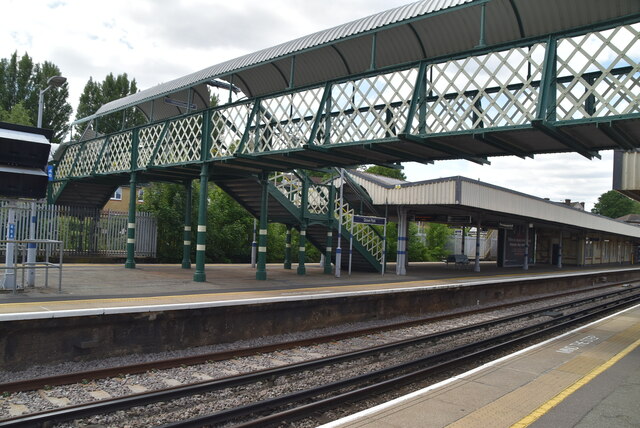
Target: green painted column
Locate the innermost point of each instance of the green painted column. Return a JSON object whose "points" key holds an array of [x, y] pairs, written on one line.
{"points": [[302, 242], [327, 254], [287, 249], [131, 226], [261, 272], [201, 237], [186, 250]]}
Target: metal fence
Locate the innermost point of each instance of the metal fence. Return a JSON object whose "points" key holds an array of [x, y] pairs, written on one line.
{"points": [[84, 231]]}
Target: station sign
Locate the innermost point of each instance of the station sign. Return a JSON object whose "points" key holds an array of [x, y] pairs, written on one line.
{"points": [[361, 219], [179, 103], [459, 219]]}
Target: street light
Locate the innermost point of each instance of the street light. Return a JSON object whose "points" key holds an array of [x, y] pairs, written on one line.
{"points": [[56, 81]]}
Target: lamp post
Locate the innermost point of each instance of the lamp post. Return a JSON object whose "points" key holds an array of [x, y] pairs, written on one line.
{"points": [[55, 81]]}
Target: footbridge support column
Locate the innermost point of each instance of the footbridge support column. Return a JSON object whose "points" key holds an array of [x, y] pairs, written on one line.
{"points": [[261, 272], [476, 267], [186, 250], [302, 251], [201, 237], [401, 256], [131, 226], [327, 254], [287, 249]]}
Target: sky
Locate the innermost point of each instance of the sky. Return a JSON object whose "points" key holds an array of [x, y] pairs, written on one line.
{"points": [[155, 41]]}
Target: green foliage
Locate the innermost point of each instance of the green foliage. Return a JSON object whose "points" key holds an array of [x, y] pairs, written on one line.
{"points": [[386, 172], [614, 204], [18, 115], [96, 94], [20, 84], [167, 202], [437, 237]]}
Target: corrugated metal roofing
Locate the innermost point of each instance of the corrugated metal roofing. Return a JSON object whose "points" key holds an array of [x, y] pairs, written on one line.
{"points": [[425, 29], [473, 196]]}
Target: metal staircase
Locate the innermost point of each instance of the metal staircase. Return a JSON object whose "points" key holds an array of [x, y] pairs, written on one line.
{"points": [[295, 200]]}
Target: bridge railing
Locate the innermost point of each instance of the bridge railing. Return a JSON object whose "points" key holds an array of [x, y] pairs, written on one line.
{"points": [[593, 75]]}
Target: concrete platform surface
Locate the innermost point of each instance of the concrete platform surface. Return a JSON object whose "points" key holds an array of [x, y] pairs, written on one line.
{"points": [[108, 286], [587, 378]]}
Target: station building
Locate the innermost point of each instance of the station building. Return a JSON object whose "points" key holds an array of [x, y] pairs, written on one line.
{"points": [[531, 230]]}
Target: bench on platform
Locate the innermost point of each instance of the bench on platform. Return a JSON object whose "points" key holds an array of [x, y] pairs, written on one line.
{"points": [[457, 260]]}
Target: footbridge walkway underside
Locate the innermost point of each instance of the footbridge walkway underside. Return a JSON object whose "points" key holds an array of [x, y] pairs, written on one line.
{"points": [[571, 89]]}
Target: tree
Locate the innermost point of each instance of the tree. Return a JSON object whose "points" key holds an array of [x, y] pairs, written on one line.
{"points": [[97, 94], [18, 115], [20, 84], [614, 204], [386, 172]]}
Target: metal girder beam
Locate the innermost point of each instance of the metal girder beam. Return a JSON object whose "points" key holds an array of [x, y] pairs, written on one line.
{"points": [[617, 135], [339, 155], [271, 163], [493, 140], [431, 143], [399, 153], [557, 134]]}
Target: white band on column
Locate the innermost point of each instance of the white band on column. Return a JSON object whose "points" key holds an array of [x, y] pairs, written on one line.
{"points": [[201, 247], [131, 241], [202, 228], [131, 225]]}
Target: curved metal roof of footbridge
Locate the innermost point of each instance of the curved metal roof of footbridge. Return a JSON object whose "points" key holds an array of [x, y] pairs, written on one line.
{"points": [[422, 30]]}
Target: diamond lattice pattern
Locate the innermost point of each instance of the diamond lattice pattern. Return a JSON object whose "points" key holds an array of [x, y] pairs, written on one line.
{"points": [[117, 155], [604, 74], [182, 141], [227, 127], [371, 108], [486, 91], [284, 122]]}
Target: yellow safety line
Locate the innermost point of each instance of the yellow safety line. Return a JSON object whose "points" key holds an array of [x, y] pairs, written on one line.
{"points": [[540, 411]]}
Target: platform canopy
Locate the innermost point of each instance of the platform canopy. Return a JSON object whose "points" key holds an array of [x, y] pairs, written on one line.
{"points": [[428, 29]]}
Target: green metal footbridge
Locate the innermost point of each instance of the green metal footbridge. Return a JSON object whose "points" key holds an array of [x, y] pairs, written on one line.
{"points": [[432, 80]]}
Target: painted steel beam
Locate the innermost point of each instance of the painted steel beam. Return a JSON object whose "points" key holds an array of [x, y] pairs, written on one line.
{"points": [[433, 144]]}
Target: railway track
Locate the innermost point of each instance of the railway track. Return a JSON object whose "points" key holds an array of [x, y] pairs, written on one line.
{"points": [[142, 367], [289, 405]]}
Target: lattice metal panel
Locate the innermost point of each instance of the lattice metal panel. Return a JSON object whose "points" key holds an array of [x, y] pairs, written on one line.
{"points": [[227, 127], [148, 137], [605, 71], [88, 157], [486, 91], [290, 185], [56, 187], [372, 108], [284, 122], [117, 155], [63, 170], [363, 233], [182, 142], [318, 199]]}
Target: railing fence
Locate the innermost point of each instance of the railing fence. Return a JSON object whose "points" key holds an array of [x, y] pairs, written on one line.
{"points": [[84, 231]]}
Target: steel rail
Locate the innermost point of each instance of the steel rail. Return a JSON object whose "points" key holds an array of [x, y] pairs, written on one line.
{"points": [[106, 406], [89, 375], [410, 372]]}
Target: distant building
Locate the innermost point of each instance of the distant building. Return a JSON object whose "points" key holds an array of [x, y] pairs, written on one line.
{"points": [[119, 201], [631, 219]]}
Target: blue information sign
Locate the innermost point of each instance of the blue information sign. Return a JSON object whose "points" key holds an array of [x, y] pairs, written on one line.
{"points": [[50, 172]]}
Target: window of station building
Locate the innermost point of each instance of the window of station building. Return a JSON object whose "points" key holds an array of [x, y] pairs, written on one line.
{"points": [[117, 195]]}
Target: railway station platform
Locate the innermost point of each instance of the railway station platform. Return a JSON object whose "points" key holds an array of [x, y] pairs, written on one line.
{"points": [[94, 286], [588, 377]]}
